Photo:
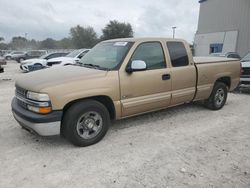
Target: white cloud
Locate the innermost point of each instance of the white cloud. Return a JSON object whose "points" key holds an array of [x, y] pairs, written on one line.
{"points": [[44, 18]]}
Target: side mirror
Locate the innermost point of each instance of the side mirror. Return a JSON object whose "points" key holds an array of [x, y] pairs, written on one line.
{"points": [[136, 65]]}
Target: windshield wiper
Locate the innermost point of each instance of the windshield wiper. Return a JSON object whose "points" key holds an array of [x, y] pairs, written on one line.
{"points": [[90, 65]]}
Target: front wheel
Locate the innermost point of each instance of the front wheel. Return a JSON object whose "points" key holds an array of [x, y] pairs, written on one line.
{"points": [[218, 97], [85, 123]]}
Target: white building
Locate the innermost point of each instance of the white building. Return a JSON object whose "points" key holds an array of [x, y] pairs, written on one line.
{"points": [[224, 26]]}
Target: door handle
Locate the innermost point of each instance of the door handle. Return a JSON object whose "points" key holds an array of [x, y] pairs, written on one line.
{"points": [[166, 77]]}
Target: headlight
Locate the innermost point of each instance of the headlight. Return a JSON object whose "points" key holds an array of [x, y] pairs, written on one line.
{"points": [[37, 96]]}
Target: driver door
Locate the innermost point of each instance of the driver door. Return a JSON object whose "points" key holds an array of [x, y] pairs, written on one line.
{"points": [[148, 90]]}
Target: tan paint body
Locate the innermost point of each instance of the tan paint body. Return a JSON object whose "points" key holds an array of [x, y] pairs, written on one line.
{"points": [[135, 93]]}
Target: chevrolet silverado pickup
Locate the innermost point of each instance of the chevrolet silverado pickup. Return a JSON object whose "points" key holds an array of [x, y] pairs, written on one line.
{"points": [[117, 79]]}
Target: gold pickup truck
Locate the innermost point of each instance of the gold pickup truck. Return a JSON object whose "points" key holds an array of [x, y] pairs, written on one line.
{"points": [[118, 79]]}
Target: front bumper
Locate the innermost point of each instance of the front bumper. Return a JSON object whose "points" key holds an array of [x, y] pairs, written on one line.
{"points": [[245, 79], [24, 68], [44, 125]]}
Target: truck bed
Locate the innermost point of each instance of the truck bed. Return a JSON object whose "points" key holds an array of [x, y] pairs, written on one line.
{"points": [[210, 69], [200, 60]]}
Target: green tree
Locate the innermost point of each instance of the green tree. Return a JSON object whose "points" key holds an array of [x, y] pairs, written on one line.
{"points": [[3, 46], [18, 42], [83, 37], [1, 39], [48, 43], [115, 29], [65, 43]]}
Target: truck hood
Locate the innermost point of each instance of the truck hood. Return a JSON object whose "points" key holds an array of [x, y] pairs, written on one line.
{"points": [[38, 80], [62, 59]]}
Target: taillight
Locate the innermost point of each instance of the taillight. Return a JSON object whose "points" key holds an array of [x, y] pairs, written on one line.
{"points": [[241, 69]]}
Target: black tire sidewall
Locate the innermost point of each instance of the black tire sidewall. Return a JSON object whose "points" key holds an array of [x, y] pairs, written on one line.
{"points": [[212, 101], [72, 115], [21, 59]]}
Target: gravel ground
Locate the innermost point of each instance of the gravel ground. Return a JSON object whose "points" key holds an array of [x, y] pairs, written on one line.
{"points": [[185, 146]]}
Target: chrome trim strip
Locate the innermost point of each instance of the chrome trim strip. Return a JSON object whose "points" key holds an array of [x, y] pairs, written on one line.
{"points": [[33, 103]]}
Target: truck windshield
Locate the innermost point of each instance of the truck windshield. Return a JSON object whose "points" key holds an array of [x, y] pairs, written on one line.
{"points": [[106, 55], [246, 58]]}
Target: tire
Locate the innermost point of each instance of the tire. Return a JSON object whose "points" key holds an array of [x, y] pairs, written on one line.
{"points": [[85, 123], [20, 59], [37, 66], [218, 97], [8, 58]]}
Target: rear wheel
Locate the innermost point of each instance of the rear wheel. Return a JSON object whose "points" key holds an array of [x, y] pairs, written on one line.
{"points": [[20, 59], [85, 123], [218, 97]]}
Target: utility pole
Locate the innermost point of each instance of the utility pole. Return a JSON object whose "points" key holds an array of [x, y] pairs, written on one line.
{"points": [[174, 31]]}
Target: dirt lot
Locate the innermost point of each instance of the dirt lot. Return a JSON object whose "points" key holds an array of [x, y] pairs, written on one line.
{"points": [[186, 146]]}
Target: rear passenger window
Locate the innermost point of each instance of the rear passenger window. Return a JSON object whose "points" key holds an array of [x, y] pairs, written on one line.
{"points": [[151, 53], [178, 54]]}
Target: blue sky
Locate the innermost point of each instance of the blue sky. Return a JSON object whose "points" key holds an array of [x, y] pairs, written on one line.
{"points": [[41, 19]]}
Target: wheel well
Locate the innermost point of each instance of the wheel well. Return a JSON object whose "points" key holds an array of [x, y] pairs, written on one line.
{"points": [[225, 80], [105, 100]]}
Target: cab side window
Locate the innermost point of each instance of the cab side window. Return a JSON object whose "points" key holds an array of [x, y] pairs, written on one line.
{"points": [[178, 54], [152, 54]]}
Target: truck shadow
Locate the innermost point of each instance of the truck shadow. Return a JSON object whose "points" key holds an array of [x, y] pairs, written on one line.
{"points": [[244, 89]]}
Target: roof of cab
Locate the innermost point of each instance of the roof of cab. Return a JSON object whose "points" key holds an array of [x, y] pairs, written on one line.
{"points": [[143, 39]]}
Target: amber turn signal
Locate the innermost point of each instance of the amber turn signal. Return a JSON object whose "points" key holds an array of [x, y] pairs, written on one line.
{"points": [[44, 110]]}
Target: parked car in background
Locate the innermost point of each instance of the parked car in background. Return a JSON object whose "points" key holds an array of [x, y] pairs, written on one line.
{"points": [[2, 62], [118, 79], [13, 55], [29, 55], [227, 55], [245, 73], [71, 58], [3, 52], [39, 63]]}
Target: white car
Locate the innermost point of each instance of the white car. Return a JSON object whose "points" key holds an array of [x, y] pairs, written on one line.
{"points": [[12, 55], [71, 58], [245, 74], [39, 63]]}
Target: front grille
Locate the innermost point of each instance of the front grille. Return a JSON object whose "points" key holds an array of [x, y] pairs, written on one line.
{"points": [[21, 103], [21, 92], [246, 71]]}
